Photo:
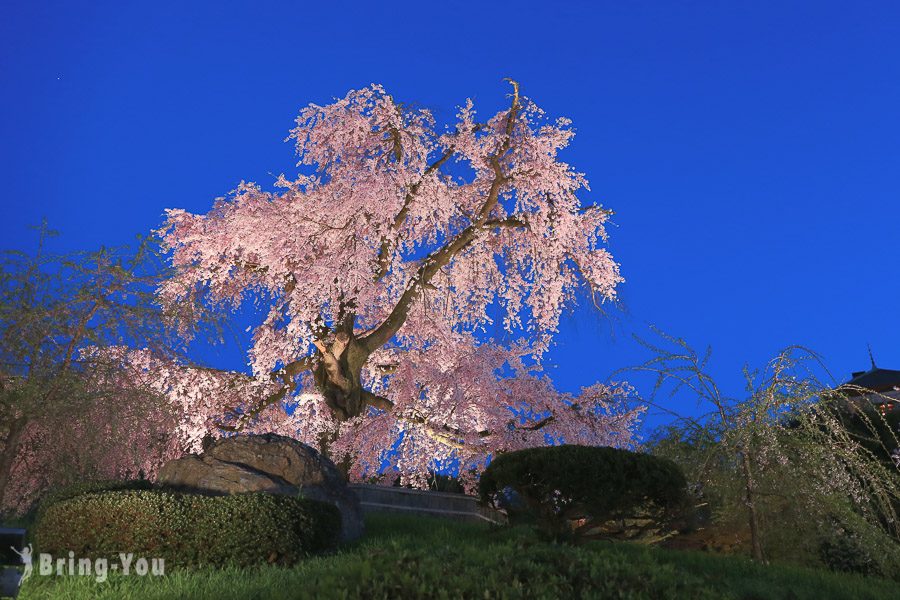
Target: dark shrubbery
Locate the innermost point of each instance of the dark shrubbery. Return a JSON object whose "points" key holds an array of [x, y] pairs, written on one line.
{"points": [[189, 529], [588, 491], [848, 555]]}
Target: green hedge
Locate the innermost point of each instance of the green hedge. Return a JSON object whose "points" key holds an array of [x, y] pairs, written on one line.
{"points": [[86, 487], [189, 529], [589, 490]]}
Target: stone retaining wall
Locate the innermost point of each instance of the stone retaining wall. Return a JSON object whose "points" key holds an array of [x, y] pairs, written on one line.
{"points": [[378, 498]]}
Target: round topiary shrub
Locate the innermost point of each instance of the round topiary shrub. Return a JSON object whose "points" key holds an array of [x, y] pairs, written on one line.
{"points": [[188, 530], [588, 491]]}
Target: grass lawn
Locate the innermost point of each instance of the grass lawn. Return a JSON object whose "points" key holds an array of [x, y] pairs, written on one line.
{"points": [[414, 557]]}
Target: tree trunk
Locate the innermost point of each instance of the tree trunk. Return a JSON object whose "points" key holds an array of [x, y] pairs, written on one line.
{"points": [[750, 499], [326, 439], [8, 456], [339, 376]]}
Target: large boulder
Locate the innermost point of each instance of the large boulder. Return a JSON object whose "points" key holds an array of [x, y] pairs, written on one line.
{"points": [[266, 463]]}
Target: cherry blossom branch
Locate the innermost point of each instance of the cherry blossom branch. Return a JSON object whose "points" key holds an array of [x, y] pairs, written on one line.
{"points": [[376, 401], [442, 256], [386, 244], [509, 222], [286, 374], [245, 417], [331, 250]]}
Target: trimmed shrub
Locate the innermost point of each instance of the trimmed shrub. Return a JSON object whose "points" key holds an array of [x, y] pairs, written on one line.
{"points": [[588, 491], [189, 530], [86, 487]]}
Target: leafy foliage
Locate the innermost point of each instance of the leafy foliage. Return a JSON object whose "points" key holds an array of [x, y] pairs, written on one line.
{"points": [[847, 553], [81, 488], [189, 529], [65, 414], [794, 467], [589, 484]]}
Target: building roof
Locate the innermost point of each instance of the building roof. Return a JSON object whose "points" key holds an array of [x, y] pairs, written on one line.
{"points": [[875, 379]]}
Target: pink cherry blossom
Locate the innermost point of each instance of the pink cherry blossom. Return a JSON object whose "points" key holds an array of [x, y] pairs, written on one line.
{"points": [[381, 266]]}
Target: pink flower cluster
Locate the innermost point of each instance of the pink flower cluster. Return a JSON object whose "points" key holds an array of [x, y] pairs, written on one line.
{"points": [[383, 194]]}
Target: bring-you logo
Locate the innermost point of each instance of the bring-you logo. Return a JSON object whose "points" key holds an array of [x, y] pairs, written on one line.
{"points": [[48, 565]]}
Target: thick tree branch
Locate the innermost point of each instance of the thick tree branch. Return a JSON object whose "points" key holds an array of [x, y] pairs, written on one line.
{"points": [[430, 266], [245, 416], [292, 369], [539, 425], [509, 222], [387, 368], [331, 358], [453, 436], [286, 374], [377, 401], [384, 251], [438, 259]]}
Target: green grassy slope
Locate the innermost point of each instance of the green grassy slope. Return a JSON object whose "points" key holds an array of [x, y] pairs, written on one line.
{"points": [[413, 557]]}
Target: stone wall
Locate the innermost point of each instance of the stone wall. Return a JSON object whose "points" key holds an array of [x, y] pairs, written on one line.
{"points": [[377, 498]]}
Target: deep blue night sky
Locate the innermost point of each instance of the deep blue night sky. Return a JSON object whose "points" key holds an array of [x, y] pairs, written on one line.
{"points": [[751, 150]]}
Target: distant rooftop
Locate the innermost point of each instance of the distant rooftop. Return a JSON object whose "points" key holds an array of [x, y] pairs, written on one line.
{"points": [[875, 379]]}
